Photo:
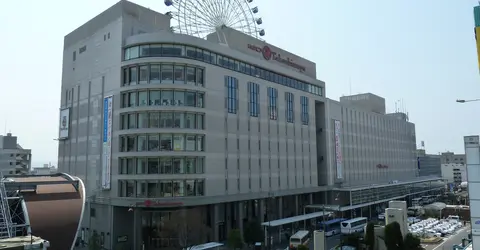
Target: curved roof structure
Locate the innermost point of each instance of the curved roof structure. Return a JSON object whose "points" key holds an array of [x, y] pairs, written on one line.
{"points": [[54, 206]]}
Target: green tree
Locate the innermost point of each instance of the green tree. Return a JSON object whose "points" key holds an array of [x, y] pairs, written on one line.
{"points": [[234, 240], [302, 247], [252, 232], [370, 236], [94, 243], [352, 240], [393, 236], [412, 243]]}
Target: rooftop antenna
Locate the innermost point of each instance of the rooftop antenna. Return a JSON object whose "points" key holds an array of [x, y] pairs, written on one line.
{"points": [[5, 129]]}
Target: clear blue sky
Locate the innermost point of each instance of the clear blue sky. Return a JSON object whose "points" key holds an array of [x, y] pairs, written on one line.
{"points": [[420, 51]]}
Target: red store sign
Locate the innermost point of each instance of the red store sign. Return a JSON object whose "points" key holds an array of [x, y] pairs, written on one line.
{"points": [[381, 166], [268, 55], [153, 203]]}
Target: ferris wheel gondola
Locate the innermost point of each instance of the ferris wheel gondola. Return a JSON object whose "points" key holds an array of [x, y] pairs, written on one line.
{"points": [[202, 17]]}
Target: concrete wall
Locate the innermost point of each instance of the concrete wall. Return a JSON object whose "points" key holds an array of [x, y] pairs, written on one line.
{"points": [[376, 148], [454, 172]]}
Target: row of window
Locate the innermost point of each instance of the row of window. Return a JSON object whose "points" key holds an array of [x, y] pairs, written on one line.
{"points": [[304, 109], [164, 97], [231, 87], [162, 73], [162, 142], [170, 50], [162, 120], [162, 165], [158, 189]]}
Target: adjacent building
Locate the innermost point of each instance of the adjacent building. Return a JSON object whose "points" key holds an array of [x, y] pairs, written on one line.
{"points": [[13, 158], [428, 164], [472, 153], [454, 169], [153, 121], [47, 169]]}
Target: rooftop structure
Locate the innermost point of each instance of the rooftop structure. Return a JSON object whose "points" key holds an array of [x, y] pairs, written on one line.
{"points": [[45, 209], [14, 159]]}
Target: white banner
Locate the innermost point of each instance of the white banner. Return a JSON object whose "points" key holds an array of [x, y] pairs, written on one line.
{"points": [[64, 124], [107, 142], [338, 149]]}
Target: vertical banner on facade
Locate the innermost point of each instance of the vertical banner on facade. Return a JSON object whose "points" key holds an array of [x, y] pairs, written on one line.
{"points": [[477, 42], [64, 124], [107, 141], [338, 149]]}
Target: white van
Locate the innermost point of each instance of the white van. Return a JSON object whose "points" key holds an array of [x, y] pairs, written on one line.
{"points": [[453, 218]]}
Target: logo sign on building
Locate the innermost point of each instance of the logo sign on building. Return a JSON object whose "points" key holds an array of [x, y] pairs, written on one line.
{"points": [[382, 166], [338, 149], [268, 55], [64, 124], [107, 141], [475, 224]]}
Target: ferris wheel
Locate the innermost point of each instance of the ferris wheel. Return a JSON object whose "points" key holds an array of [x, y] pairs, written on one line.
{"points": [[202, 17]]}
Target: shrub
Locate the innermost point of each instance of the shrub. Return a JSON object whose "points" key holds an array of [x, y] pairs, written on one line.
{"points": [[393, 236], [234, 240], [252, 232], [302, 247], [370, 235], [412, 243]]}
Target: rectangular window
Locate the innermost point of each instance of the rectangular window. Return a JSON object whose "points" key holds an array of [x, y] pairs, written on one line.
{"points": [[132, 74], [289, 108], [231, 84], [272, 103], [253, 103], [304, 107], [143, 74]]}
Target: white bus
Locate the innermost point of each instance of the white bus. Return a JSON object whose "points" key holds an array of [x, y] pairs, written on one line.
{"points": [[354, 225], [301, 237]]}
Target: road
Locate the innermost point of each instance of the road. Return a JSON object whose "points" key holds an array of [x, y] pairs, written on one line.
{"points": [[448, 243]]}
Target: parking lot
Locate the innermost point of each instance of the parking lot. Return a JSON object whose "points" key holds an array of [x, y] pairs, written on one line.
{"points": [[435, 228]]}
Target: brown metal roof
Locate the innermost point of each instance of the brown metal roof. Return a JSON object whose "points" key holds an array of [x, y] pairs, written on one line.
{"points": [[54, 211]]}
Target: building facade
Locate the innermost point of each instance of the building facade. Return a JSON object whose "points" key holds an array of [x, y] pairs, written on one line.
{"points": [[154, 121], [452, 158], [454, 173], [13, 158], [428, 164], [472, 153]]}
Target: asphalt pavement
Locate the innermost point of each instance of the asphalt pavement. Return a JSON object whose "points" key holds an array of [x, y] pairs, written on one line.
{"points": [[449, 242]]}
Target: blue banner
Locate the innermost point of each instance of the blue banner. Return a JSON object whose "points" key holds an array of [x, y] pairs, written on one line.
{"points": [[105, 119]]}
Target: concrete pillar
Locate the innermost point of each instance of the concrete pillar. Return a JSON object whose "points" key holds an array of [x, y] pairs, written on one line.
{"points": [[216, 221], [280, 207], [296, 205], [261, 210], [240, 217], [137, 228], [228, 212]]}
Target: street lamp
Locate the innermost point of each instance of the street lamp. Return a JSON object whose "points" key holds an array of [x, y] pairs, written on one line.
{"points": [[464, 101]]}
